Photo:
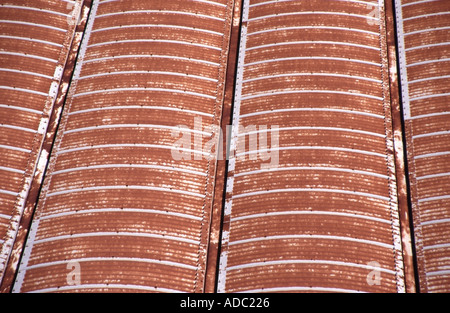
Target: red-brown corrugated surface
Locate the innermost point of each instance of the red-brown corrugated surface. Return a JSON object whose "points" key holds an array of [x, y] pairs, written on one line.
{"points": [[34, 41], [315, 209], [424, 49], [118, 211]]}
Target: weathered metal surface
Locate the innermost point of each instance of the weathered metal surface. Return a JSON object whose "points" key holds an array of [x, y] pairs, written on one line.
{"points": [[324, 216], [118, 212], [424, 43], [34, 41]]}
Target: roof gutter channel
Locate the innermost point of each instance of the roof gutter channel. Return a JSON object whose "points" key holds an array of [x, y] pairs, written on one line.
{"points": [[398, 125], [217, 216]]}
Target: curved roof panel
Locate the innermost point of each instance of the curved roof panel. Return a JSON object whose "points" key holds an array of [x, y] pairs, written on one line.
{"points": [[127, 198], [311, 196], [424, 43], [34, 41]]}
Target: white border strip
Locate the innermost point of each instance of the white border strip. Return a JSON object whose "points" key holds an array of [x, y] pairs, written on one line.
{"points": [[140, 56], [13, 107], [152, 126], [315, 128], [124, 187], [149, 73], [325, 237], [315, 27], [402, 61], [313, 42], [191, 93], [312, 74], [276, 111], [154, 41], [15, 148], [158, 26], [286, 92], [113, 259], [324, 262], [300, 289], [341, 214], [313, 148], [130, 166], [366, 17], [162, 12], [328, 190], [12, 170], [313, 58], [33, 24], [116, 234], [120, 210], [147, 107], [10, 6], [309, 110], [310, 168], [29, 56], [69, 150], [34, 40], [104, 286]]}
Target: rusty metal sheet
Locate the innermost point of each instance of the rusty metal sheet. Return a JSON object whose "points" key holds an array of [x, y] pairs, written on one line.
{"points": [[34, 41], [423, 32], [118, 212], [311, 203]]}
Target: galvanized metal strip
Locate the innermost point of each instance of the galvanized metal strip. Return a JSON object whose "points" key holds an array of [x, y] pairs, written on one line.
{"points": [[142, 56], [195, 29], [326, 190], [313, 262], [33, 24], [130, 166], [309, 168], [325, 237], [87, 93], [114, 234], [402, 61], [162, 12], [280, 15], [276, 111], [338, 129], [313, 42], [289, 213], [149, 72], [140, 107], [120, 210]]}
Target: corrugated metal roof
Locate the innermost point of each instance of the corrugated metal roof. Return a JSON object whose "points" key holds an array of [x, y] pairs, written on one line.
{"points": [[424, 43], [323, 216], [34, 41], [116, 201], [315, 195]]}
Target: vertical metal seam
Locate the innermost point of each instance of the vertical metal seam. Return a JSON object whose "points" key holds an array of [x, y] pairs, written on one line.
{"points": [[35, 223], [403, 191], [212, 162], [218, 200], [390, 163], [409, 146], [221, 284]]}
